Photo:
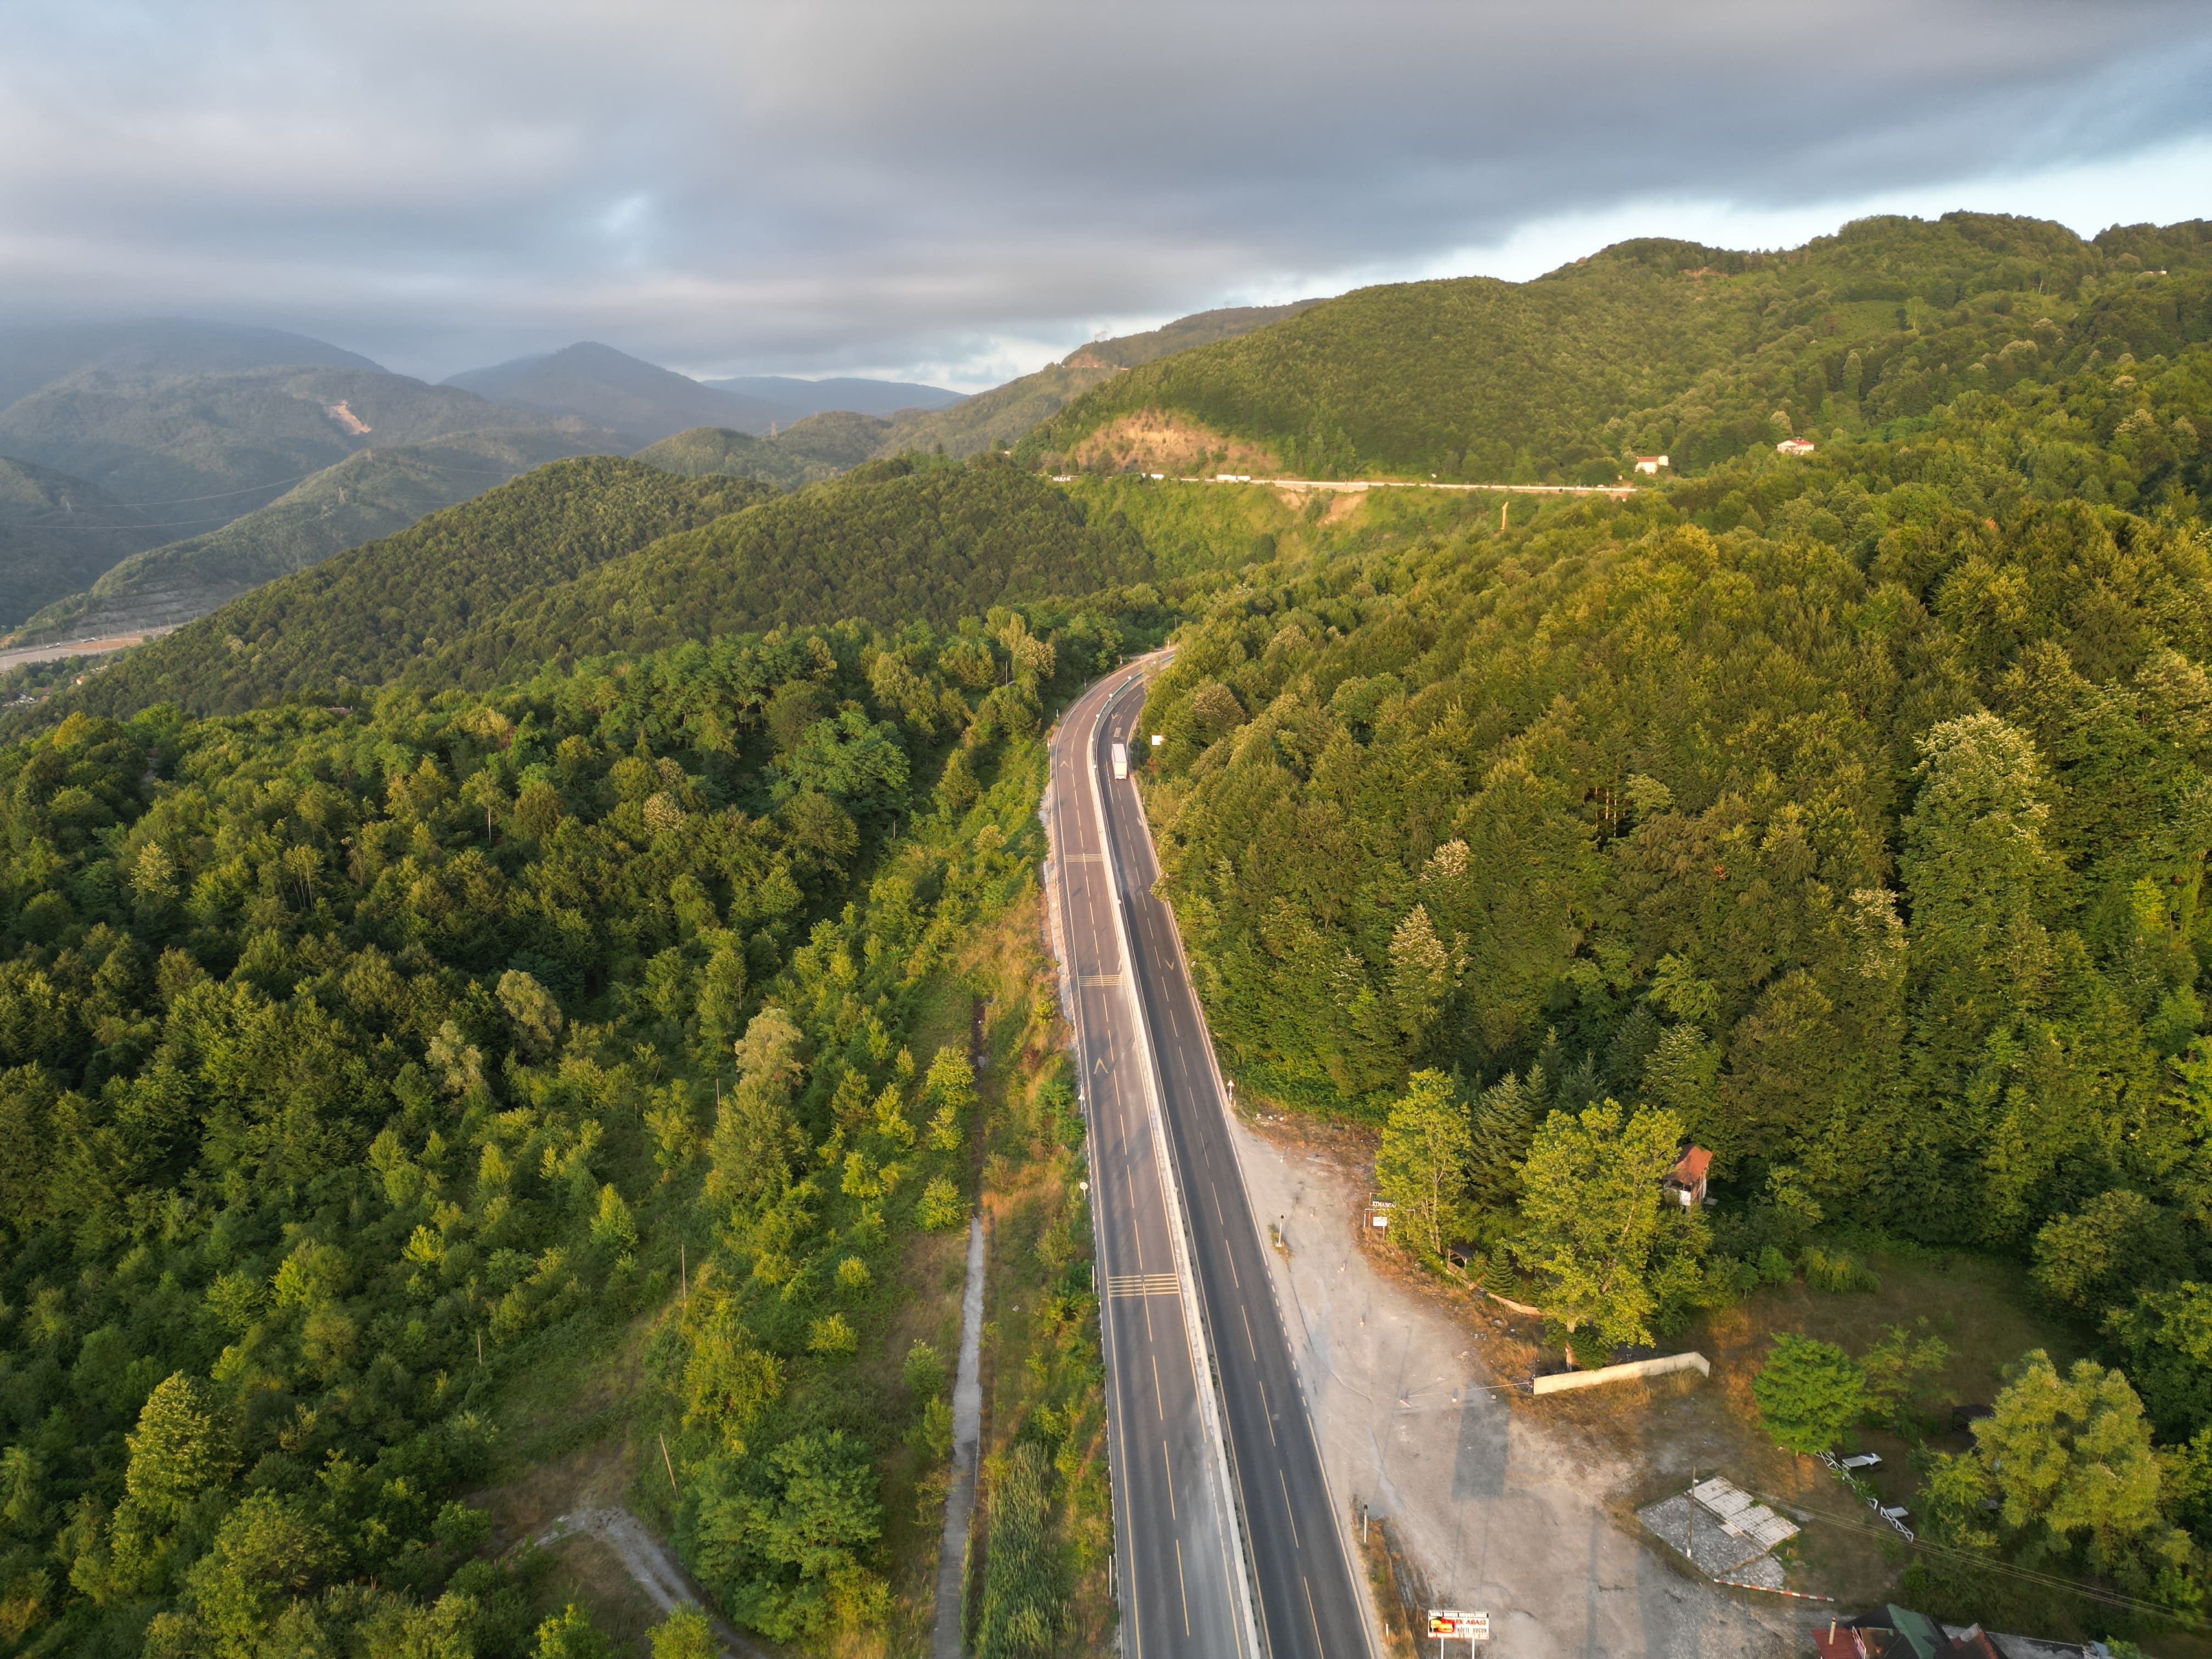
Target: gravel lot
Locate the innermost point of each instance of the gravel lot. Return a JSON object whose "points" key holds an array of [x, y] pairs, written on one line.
{"points": [[1515, 1506]]}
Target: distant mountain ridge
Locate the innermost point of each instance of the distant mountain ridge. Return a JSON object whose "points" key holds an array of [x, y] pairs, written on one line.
{"points": [[856, 396], [190, 453], [33, 355], [1005, 414], [1654, 347], [624, 394], [371, 494]]}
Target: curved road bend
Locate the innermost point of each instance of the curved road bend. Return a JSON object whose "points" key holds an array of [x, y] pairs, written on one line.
{"points": [[1308, 1605]]}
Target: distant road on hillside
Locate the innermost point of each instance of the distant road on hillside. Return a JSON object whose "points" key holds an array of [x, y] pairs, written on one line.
{"points": [[56, 652], [1354, 485]]}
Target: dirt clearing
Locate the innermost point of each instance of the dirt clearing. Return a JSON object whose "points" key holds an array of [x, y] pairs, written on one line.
{"points": [[1513, 1507]]}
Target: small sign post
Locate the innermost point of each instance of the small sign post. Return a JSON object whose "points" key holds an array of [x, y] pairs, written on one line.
{"points": [[1451, 1625]]}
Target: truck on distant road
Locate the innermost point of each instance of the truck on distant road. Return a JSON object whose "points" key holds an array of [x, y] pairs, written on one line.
{"points": [[1120, 761]]}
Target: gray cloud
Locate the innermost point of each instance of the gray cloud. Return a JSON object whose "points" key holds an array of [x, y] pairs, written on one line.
{"points": [[733, 187]]}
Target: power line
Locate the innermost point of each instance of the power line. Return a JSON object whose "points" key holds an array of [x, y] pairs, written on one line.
{"points": [[218, 518], [181, 500], [2048, 1581]]}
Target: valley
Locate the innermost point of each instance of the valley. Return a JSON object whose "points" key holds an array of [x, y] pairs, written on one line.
{"points": [[533, 939]]}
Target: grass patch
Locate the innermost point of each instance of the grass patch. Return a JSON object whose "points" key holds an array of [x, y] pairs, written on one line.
{"points": [[1044, 1464]]}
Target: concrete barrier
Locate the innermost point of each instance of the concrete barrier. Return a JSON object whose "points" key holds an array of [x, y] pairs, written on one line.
{"points": [[1635, 1368]]}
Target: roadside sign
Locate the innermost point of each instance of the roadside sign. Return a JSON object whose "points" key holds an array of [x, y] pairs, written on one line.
{"points": [[1451, 1624]]}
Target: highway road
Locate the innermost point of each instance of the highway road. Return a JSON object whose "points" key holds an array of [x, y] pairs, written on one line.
{"points": [[1198, 1359]]}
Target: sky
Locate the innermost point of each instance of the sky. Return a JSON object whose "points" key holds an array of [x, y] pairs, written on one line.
{"points": [[958, 192]]}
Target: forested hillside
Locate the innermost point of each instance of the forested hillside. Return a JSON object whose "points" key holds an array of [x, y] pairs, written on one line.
{"points": [[893, 541], [601, 555], [360, 617], [215, 447], [708, 451], [1652, 348], [360, 1071], [366, 495], [157, 348], [998, 418], [837, 438], [610, 389], [1846, 815], [57, 533]]}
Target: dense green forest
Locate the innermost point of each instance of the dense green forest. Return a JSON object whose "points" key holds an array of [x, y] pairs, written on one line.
{"points": [[1657, 347], [538, 930], [363, 617], [358, 1063], [1847, 814], [707, 451], [601, 555], [835, 439]]}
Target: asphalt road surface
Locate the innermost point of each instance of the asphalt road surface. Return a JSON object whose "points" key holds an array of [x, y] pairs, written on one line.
{"points": [[1183, 1584]]}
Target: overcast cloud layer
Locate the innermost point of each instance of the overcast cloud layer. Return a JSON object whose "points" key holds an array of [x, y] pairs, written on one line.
{"points": [[957, 192]]}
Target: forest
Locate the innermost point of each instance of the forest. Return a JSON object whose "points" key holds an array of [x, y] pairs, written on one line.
{"points": [[1844, 815], [552, 927], [598, 555], [357, 1061], [1663, 348]]}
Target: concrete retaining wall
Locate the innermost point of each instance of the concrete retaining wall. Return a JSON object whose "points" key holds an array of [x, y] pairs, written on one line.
{"points": [[1635, 1368]]}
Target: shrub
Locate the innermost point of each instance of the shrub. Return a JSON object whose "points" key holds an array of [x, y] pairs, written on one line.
{"points": [[1808, 1393], [1837, 1272], [942, 1208]]}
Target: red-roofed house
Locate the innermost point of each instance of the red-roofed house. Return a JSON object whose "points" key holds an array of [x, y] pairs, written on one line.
{"points": [[1686, 1180]]}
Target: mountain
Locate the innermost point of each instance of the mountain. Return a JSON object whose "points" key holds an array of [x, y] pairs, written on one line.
{"points": [[1654, 347], [33, 355], [191, 452], [374, 493], [363, 615], [706, 450], [598, 555], [891, 542], [836, 439], [611, 389], [57, 533], [858, 397], [998, 417]]}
